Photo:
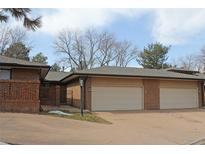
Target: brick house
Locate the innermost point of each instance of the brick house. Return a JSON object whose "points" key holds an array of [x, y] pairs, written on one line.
{"points": [[24, 86], [19, 84]]}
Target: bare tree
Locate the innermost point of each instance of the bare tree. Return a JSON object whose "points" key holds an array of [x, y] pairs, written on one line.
{"points": [[201, 59], [174, 63], [199, 67], [18, 34], [4, 39], [192, 62], [125, 53], [188, 62], [70, 44], [84, 50], [9, 36], [107, 47]]}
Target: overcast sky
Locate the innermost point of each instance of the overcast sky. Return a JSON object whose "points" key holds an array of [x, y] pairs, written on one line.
{"points": [[183, 29]]}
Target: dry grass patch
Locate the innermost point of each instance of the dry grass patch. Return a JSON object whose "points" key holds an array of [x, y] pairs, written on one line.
{"points": [[91, 117]]}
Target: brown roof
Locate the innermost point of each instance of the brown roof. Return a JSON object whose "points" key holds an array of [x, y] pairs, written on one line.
{"points": [[134, 72], [18, 63], [7, 61], [56, 76]]}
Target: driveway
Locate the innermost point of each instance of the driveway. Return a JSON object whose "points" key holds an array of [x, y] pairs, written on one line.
{"points": [[153, 127]]}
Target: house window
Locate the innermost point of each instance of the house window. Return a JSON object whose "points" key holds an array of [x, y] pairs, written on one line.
{"points": [[5, 74]]}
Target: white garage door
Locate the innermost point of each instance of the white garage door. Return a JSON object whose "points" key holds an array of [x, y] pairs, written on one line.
{"points": [[116, 98], [174, 98]]}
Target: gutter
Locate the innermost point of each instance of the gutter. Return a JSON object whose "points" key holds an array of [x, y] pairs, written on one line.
{"points": [[22, 65], [154, 77]]}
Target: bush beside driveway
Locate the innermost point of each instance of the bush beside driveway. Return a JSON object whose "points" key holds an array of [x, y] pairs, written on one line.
{"points": [[152, 127]]}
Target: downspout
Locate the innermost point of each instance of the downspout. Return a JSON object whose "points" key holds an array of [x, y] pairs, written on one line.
{"points": [[82, 80]]}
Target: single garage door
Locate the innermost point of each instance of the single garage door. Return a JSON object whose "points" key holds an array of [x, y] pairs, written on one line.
{"points": [[174, 98], [117, 98]]}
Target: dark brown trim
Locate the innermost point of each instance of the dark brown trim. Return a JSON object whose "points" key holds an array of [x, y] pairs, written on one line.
{"points": [[150, 77], [22, 65], [11, 74], [202, 91]]}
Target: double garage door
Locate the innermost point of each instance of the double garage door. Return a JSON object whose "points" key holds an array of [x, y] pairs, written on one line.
{"points": [[132, 98], [175, 98], [117, 98]]}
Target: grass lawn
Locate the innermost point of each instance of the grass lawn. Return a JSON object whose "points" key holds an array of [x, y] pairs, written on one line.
{"points": [[76, 116]]}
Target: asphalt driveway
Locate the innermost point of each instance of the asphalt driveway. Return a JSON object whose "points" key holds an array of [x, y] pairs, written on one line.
{"points": [[153, 127]]}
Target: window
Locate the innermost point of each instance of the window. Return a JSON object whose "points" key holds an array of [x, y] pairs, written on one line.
{"points": [[5, 74]]}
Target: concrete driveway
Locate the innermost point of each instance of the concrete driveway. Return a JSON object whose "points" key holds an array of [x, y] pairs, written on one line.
{"points": [[156, 127]]}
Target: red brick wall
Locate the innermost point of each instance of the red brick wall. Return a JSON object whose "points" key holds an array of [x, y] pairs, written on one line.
{"points": [[201, 93], [25, 74], [73, 94], [63, 92], [49, 94], [19, 96]]}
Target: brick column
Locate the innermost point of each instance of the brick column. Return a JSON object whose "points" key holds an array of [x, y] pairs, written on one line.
{"points": [[58, 95], [202, 85], [201, 93], [88, 94], [63, 93]]}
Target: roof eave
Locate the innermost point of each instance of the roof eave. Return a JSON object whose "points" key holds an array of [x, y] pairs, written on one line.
{"points": [[109, 75], [40, 67], [21, 65]]}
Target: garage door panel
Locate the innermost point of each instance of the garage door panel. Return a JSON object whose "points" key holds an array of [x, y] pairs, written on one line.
{"points": [[175, 98], [116, 98]]}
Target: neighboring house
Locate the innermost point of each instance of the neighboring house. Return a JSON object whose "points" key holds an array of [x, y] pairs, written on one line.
{"points": [[104, 88], [184, 71], [19, 84]]}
